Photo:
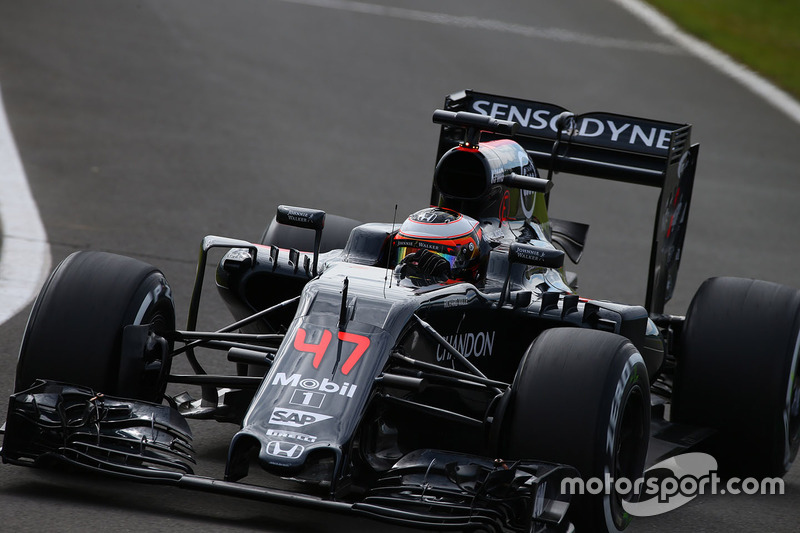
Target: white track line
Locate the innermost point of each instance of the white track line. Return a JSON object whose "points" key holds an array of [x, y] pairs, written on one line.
{"points": [[24, 251], [666, 28], [460, 21], [660, 24]]}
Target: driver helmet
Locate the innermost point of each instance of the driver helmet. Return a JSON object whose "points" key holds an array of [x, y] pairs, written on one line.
{"points": [[456, 238]]}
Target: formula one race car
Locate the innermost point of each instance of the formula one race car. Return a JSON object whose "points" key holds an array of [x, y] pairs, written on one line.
{"points": [[441, 372]]}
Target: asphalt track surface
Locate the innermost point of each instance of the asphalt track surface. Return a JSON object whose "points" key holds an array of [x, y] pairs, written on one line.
{"points": [[144, 125]]}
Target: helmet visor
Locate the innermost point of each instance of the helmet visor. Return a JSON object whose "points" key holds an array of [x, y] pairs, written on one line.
{"points": [[405, 248]]}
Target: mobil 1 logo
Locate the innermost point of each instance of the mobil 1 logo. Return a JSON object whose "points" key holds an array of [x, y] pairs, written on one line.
{"points": [[306, 398]]}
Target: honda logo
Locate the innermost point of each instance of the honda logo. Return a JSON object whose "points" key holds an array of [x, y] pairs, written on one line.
{"points": [[290, 450]]}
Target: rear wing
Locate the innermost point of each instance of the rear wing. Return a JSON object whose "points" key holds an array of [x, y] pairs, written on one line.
{"points": [[608, 146]]}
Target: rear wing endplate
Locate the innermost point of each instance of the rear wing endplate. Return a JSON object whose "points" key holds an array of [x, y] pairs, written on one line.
{"points": [[603, 145]]}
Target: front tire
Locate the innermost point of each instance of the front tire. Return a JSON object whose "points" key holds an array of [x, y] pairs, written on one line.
{"points": [[736, 372], [581, 397], [75, 330]]}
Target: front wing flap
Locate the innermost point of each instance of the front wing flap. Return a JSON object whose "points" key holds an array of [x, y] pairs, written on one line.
{"points": [[447, 490], [57, 422]]}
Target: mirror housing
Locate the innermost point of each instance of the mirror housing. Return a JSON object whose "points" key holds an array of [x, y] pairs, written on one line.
{"points": [[528, 254]]}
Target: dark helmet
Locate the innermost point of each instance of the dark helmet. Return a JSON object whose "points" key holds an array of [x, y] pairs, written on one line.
{"points": [[454, 239]]}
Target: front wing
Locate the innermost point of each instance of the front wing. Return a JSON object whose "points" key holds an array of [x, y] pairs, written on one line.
{"points": [[60, 424]]}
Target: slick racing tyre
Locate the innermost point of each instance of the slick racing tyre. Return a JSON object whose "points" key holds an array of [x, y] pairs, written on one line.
{"points": [[737, 373], [75, 330], [334, 235], [581, 397]]}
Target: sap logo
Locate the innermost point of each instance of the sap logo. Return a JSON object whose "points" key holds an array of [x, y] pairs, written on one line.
{"points": [[294, 417], [289, 450]]}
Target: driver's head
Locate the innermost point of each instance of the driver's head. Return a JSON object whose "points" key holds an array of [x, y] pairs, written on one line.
{"points": [[455, 239]]}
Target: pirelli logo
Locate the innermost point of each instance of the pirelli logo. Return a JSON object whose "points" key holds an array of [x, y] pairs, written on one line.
{"points": [[283, 434]]}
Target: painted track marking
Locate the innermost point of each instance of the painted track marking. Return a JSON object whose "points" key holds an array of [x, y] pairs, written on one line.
{"points": [[551, 34], [663, 26], [24, 251]]}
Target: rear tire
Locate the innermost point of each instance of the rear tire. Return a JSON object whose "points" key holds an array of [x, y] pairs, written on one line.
{"points": [[581, 398], [75, 330], [736, 372]]}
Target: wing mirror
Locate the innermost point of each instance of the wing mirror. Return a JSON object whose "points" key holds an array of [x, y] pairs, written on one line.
{"points": [[528, 254], [303, 217]]}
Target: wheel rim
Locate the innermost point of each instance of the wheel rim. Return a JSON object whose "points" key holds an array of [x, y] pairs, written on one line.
{"points": [[628, 457], [156, 358], [791, 412]]}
